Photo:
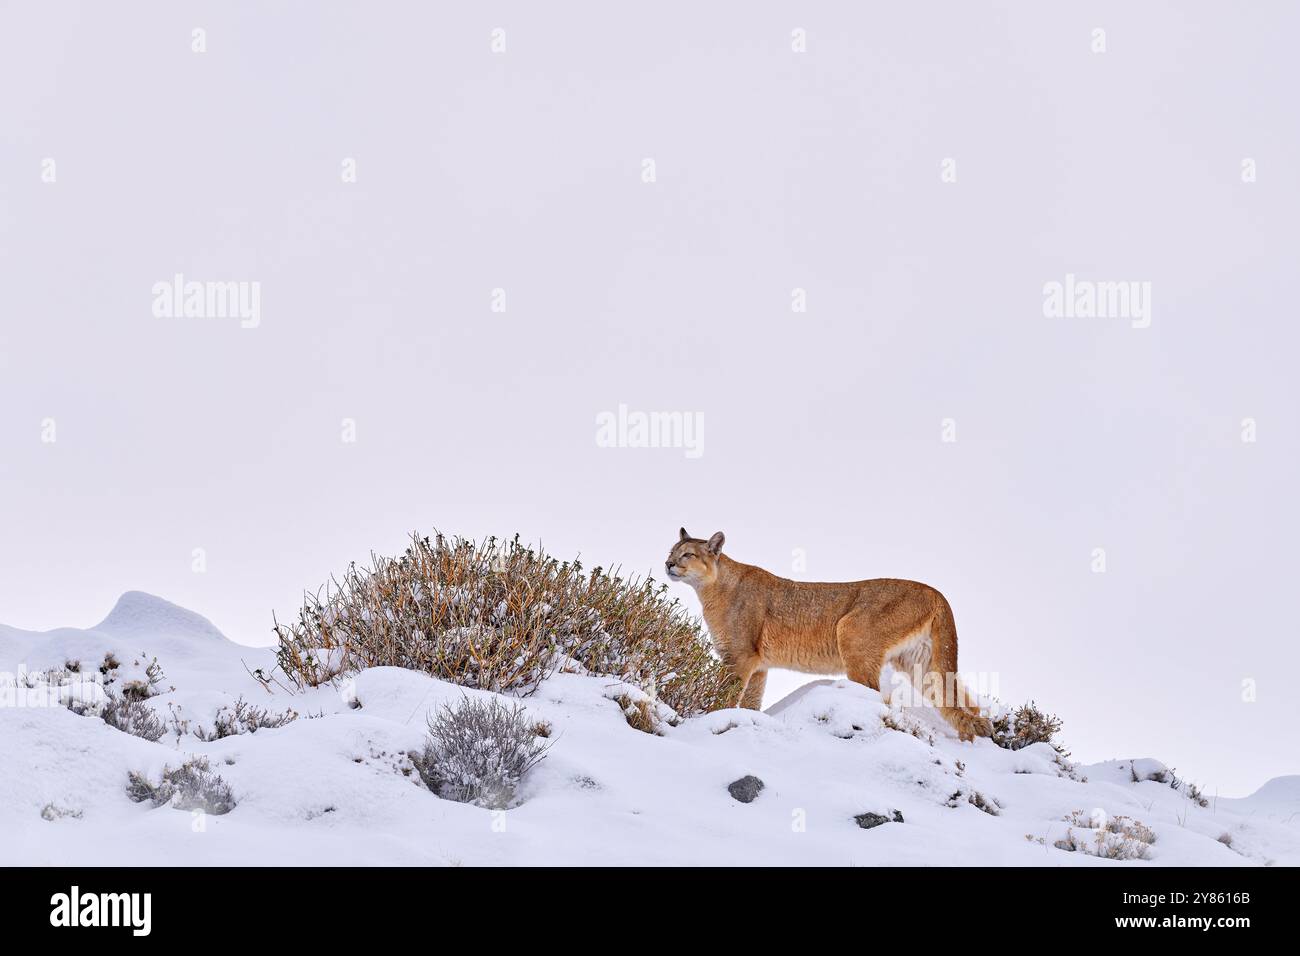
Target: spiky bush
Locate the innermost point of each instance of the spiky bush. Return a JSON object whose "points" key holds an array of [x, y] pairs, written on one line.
{"points": [[191, 786], [478, 752], [501, 616], [1027, 725]]}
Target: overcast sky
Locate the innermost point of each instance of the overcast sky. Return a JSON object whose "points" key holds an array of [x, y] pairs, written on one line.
{"points": [[474, 231]]}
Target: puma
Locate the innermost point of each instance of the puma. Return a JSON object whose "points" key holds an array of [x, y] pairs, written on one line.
{"points": [[758, 620]]}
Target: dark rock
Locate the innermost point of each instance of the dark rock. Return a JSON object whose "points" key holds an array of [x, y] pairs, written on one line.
{"points": [[869, 820], [746, 788]]}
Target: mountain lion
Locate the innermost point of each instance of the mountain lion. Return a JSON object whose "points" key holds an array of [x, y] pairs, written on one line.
{"points": [[758, 620]]}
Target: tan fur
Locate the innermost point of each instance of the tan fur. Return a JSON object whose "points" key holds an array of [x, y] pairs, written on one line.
{"points": [[758, 620]]}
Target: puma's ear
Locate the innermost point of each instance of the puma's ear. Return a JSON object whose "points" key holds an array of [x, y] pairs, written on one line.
{"points": [[685, 536], [715, 543]]}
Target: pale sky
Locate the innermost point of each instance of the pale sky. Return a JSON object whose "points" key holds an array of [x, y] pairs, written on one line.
{"points": [[921, 172]]}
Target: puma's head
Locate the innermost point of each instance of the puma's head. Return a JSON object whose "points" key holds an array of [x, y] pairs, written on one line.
{"points": [[694, 560]]}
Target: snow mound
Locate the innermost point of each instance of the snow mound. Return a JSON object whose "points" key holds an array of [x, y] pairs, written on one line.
{"points": [[334, 783], [139, 628], [1279, 799], [137, 616]]}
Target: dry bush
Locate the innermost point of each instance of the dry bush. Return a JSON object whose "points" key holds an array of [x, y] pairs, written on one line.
{"points": [[478, 752], [1118, 838], [142, 688], [132, 715], [127, 713], [242, 718], [191, 786], [502, 616], [1027, 725]]}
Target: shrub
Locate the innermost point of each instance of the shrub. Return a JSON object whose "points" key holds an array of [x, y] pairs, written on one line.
{"points": [[142, 688], [125, 712], [1027, 725], [1118, 838], [478, 752], [132, 715], [242, 718], [191, 786], [501, 616]]}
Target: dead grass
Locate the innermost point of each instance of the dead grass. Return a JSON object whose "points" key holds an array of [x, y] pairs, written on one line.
{"points": [[640, 714], [907, 725], [990, 805]]}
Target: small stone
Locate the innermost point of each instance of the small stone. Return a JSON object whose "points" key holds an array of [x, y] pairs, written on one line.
{"points": [[869, 820], [746, 788]]}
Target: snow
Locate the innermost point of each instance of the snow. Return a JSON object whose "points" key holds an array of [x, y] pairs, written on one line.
{"points": [[335, 786]]}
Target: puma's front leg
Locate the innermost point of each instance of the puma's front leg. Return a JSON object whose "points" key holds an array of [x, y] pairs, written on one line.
{"points": [[751, 697], [745, 669]]}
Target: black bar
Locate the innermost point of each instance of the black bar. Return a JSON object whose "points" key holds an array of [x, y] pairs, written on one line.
{"points": [[265, 905]]}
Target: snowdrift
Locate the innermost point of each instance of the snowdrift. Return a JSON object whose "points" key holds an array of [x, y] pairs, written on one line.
{"points": [[846, 778]]}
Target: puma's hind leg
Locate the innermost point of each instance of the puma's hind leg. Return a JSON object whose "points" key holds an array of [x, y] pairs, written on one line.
{"points": [[958, 706], [862, 656]]}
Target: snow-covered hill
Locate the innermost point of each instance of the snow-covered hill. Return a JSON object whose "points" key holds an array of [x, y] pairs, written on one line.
{"points": [[335, 786]]}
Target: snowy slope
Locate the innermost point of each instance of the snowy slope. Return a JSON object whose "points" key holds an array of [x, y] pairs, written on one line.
{"points": [[335, 786]]}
